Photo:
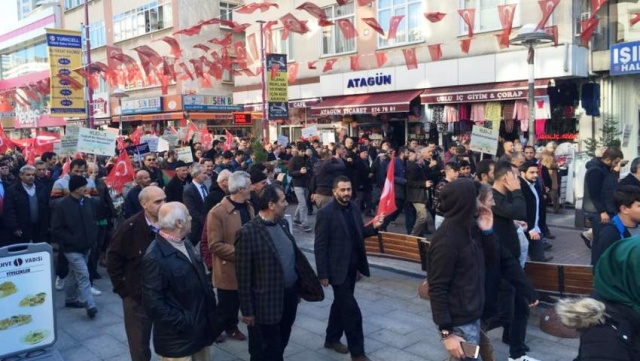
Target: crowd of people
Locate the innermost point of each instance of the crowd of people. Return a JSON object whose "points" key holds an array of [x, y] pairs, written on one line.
{"points": [[180, 231]]}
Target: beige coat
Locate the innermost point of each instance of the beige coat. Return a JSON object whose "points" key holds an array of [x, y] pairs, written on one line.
{"points": [[223, 222]]}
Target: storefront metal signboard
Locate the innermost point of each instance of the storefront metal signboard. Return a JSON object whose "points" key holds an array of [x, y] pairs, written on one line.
{"points": [[277, 86], [141, 106], [212, 103], [625, 58]]}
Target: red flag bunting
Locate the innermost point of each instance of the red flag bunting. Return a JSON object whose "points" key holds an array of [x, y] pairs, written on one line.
{"points": [[465, 44], [346, 28], [634, 20], [596, 5], [553, 32], [292, 24], [187, 72], [253, 47], [364, 2], [223, 41], [202, 47], [328, 65], [587, 29], [503, 40], [373, 24], [312, 64], [381, 58], [145, 52], [547, 6], [469, 17], [435, 50], [355, 63], [228, 144], [121, 173], [5, 142], [292, 69], [434, 17], [313, 10], [324, 22], [191, 31], [506, 13], [387, 204], [252, 7], [241, 54], [410, 58], [173, 44], [393, 26]]}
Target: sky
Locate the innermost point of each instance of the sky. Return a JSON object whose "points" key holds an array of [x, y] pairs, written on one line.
{"points": [[9, 15]]}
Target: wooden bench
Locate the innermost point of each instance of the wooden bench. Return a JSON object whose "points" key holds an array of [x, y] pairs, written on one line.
{"points": [[560, 280], [397, 246]]}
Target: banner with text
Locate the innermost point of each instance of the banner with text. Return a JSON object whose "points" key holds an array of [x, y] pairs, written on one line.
{"points": [[484, 140], [67, 86], [277, 86], [96, 142]]}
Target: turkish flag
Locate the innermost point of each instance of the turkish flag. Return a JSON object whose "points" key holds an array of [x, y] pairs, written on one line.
{"points": [[194, 30], [355, 63], [253, 47], [313, 10], [346, 28], [596, 5], [274, 71], [191, 128], [547, 6], [206, 139], [228, 144], [252, 7], [92, 78], [503, 40], [136, 135], [587, 29], [634, 20], [410, 58], [241, 54], [325, 22], [223, 41], [186, 71], [553, 32], [381, 58], [465, 44], [328, 65], [507, 13], [202, 47], [292, 24], [146, 52], [5, 142], [121, 173], [364, 2], [434, 17], [469, 17], [387, 204], [393, 26], [312, 64], [435, 50], [173, 44], [373, 23], [293, 72], [44, 142]]}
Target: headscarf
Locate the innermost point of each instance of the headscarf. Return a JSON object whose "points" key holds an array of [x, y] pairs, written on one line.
{"points": [[617, 275]]}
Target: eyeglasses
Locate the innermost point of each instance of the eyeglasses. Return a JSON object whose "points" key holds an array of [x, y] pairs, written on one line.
{"points": [[151, 160]]}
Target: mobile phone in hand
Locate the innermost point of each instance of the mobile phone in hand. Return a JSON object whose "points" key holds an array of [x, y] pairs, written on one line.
{"points": [[470, 350]]}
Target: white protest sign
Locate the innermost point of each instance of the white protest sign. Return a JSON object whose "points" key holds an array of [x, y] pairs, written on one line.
{"points": [[484, 140], [56, 148], [172, 138], [152, 140], [309, 132], [163, 145], [184, 154], [69, 142], [328, 137], [283, 140], [96, 142]]}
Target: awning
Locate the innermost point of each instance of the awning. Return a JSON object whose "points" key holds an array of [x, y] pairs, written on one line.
{"points": [[393, 102], [483, 92]]}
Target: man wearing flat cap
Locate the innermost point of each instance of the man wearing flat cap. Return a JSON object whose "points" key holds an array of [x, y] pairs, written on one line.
{"points": [[176, 185]]}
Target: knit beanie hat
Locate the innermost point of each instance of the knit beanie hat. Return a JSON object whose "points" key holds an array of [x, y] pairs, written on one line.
{"points": [[76, 181], [256, 175]]}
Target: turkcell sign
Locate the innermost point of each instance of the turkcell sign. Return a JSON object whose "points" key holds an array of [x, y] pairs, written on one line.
{"points": [[140, 106], [210, 103], [625, 58]]}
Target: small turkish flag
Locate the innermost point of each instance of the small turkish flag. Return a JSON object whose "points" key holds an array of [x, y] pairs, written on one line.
{"points": [[381, 58], [507, 13], [393, 26], [347, 28], [553, 32], [121, 173], [293, 72], [191, 128], [547, 6], [468, 16], [312, 64], [465, 44], [355, 63], [5, 142], [503, 40], [206, 139], [224, 41], [387, 204], [274, 71], [435, 50], [250, 8], [292, 24], [313, 10], [136, 135], [410, 58], [173, 43], [202, 47], [364, 2], [434, 17], [373, 23], [253, 47], [229, 141], [634, 20], [328, 65], [588, 27]]}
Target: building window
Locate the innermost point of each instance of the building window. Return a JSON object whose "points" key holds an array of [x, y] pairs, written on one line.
{"points": [[409, 29], [24, 61], [282, 46], [333, 42], [226, 11], [227, 76], [97, 34], [487, 17], [70, 4], [145, 19]]}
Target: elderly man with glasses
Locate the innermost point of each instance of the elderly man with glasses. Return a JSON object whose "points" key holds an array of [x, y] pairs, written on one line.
{"points": [[151, 165]]}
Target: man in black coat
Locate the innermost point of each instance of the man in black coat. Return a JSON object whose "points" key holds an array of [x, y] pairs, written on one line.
{"points": [[300, 171], [176, 292], [533, 197], [150, 164], [131, 202], [193, 196], [124, 264], [272, 273], [42, 179], [26, 210], [364, 183], [340, 255], [175, 188], [633, 178], [218, 190]]}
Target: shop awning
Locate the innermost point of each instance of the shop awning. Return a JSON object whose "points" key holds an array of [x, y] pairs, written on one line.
{"points": [[482, 92], [393, 102]]}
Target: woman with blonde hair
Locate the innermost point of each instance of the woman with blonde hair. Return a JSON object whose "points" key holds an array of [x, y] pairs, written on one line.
{"points": [[549, 161]]}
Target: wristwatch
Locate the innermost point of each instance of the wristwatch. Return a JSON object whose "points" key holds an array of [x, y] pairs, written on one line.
{"points": [[445, 334]]}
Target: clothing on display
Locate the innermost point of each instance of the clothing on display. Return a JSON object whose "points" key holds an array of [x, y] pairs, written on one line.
{"points": [[543, 107], [591, 99], [492, 111], [451, 113], [478, 112]]}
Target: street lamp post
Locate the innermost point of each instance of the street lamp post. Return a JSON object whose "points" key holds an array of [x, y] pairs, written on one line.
{"points": [[530, 37], [263, 78], [120, 93]]}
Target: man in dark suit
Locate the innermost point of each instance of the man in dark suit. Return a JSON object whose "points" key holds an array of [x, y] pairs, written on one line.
{"points": [[175, 187], [124, 264], [26, 210], [150, 164], [193, 197], [131, 201], [268, 260], [340, 255], [533, 196]]}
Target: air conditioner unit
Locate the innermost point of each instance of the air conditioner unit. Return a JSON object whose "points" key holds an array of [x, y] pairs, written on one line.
{"points": [[585, 17]]}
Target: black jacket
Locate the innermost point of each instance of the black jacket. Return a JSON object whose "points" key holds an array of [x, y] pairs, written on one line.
{"points": [[456, 259], [295, 164], [416, 183], [174, 189], [73, 224], [530, 201], [593, 200], [324, 171], [508, 208], [630, 180], [335, 242], [215, 196], [156, 175], [104, 205], [132, 203], [179, 298], [363, 182], [17, 214], [607, 236], [195, 204]]}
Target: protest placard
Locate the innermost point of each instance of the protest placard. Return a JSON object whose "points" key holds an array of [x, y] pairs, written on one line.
{"points": [[172, 138], [184, 154], [163, 145], [152, 140], [69, 142], [138, 151], [328, 137], [308, 132], [283, 140], [96, 142], [484, 140]]}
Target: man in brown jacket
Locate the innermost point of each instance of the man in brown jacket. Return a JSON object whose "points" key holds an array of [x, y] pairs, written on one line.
{"points": [[223, 222], [124, 264]]}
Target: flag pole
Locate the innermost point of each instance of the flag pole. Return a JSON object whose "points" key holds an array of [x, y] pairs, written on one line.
{"points": [[263, 80]]}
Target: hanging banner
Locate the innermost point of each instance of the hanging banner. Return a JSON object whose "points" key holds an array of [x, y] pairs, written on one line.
{"points": [[277, 86], [65, 55], [96, 142]]}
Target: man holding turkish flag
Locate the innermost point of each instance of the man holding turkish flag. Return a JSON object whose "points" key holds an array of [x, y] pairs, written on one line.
{"points": [[121, 173]]}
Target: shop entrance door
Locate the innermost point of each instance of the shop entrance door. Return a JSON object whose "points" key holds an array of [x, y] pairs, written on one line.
{"points": [[397, 132]]}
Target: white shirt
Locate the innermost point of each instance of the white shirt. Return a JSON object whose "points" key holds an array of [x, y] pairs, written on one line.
{"points": [[31, 191], [199, 188], [535, 227]]}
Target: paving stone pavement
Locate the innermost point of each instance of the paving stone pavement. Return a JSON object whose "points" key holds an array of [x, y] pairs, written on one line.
{"points": [[397, 323]]}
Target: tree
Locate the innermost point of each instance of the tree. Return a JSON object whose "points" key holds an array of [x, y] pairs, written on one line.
{"points": [[258, 151], [610, 136]]}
